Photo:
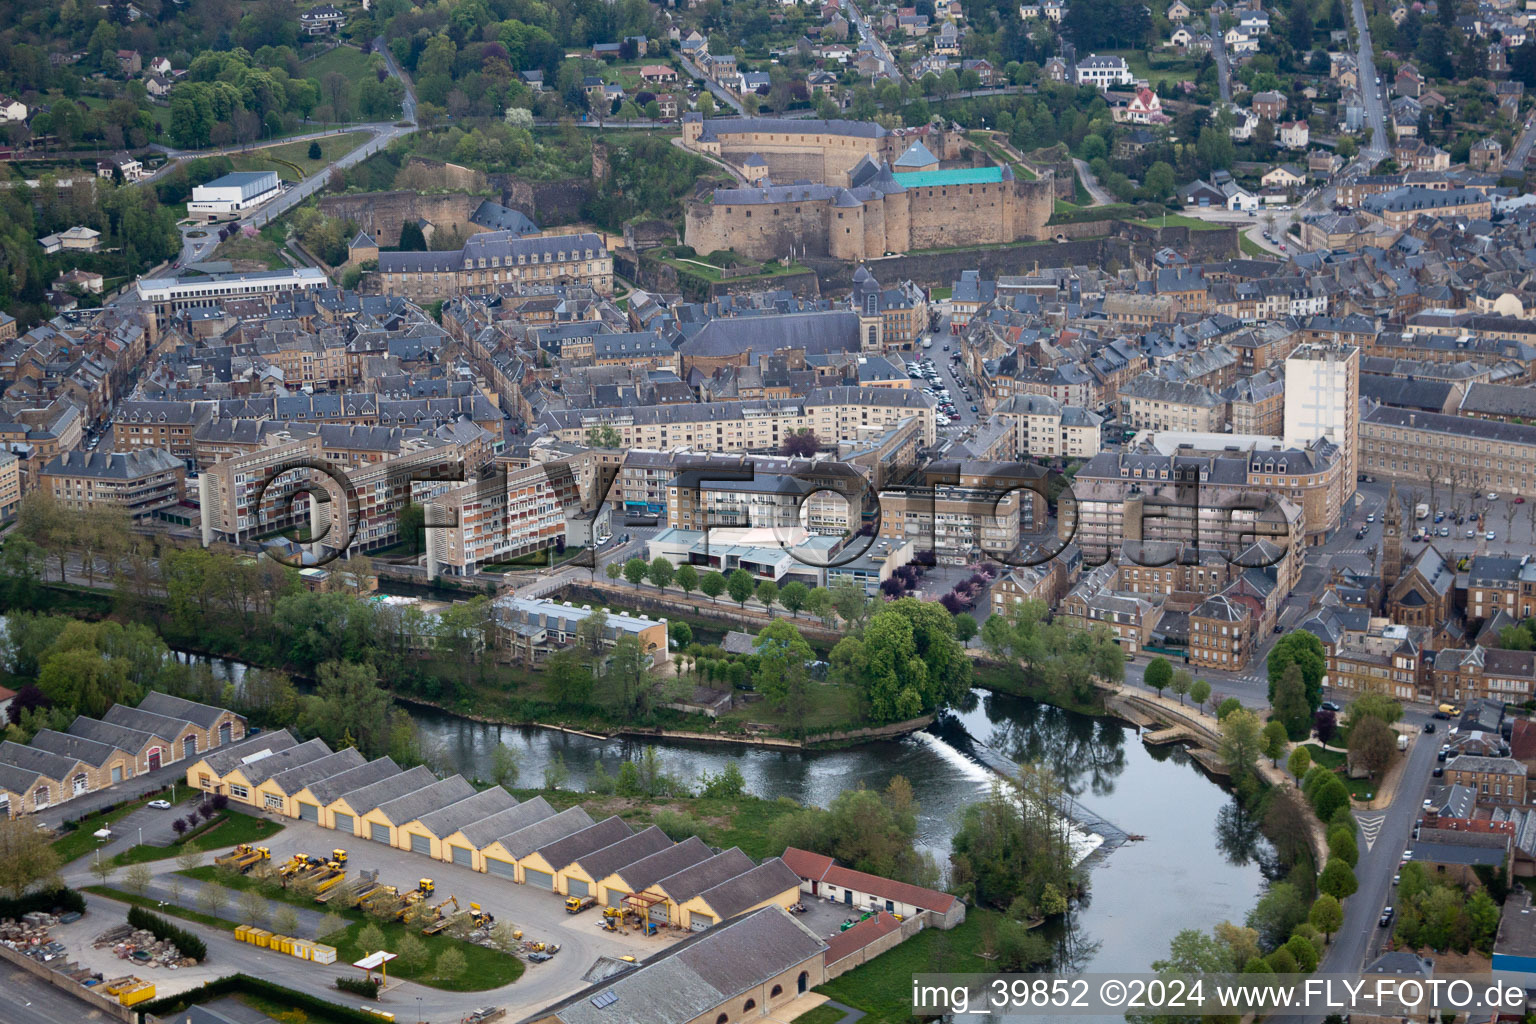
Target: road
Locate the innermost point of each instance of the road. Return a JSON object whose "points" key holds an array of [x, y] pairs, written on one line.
{"points": [[381, 135], [1370, 92], [1252, 227], [30, 1000], [868, 33], [1091, 183], [723, 95], [1515, 165], [1383, 836], [1223, 67]]}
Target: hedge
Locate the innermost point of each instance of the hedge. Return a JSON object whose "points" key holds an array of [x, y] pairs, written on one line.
{"points": [[186, 943], [366, 987], [243, 984], [51, 901]]}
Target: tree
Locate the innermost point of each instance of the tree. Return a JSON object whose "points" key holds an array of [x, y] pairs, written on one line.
{"points": [[782, 656], [681, 633], [660, 572], [1325, 723], [1200, 692], [212, 898], [1158, 183], [1012, 846], [1289, 699], [138, 878], [103, 869], [1277, 914], [285, 920], [740, 585], [1274, 742], [635, 570], [568, 679], [802, 443], [411, 952], [1298, 763], [614, 571], [314, 151], [793, 596], [1372, 705], [1226, 707], [1341, 844], [686, 577], [1329, 796], [1159, 674], [1180, 684], [1337, 879], [965, 627], [712, 584], [1241, 743], [705, 104], [411, 237], [767, 594], [371, 938], [1327, 915], [604, 436], [450, 964], [253, 907], [1306, 651], [26, 857], [504, 766], [1371, 745]]}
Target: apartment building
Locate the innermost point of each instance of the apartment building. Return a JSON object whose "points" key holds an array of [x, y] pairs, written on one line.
{"points": [[1501, 584], [1322, 400], [491, 520], [1044, 428], [1150, 402], [528, 630], [493, 258], [833, 414], [1479, 455], [140, 482]]}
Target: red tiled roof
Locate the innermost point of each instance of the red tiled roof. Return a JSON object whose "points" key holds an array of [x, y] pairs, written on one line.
{"points": [[889, 888], [818, 867], [807, 864], [1522, 740], [860, 935]]}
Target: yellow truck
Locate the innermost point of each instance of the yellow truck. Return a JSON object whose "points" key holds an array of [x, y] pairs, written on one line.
{"points": [[576, 904], [243, 857]]}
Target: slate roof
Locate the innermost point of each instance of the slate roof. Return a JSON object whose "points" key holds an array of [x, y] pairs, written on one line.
{"points": [[522, 842], [225, 759], [326, 790], [368, 798], [427, 799], [119, 736], [37, 761], [696, 975], [263, 768], [177, 707], [112, 465], [717, 126], [566, 850], [641, 873], [291, 780], [689, 882], [486, 831], [746, 890], [445, 821], [603, 862], [1462, 426]]}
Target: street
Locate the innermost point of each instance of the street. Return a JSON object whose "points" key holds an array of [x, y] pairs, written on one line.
{"points": [[1223, 66], [1370, 92]]}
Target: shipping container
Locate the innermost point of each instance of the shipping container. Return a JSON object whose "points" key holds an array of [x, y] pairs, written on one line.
{"points": [[303, 949], [324, 954]]}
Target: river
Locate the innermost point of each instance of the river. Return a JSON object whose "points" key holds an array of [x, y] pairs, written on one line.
{"points": [[1198, 863]]}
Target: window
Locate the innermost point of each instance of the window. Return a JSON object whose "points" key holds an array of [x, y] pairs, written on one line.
{"points": [[239, 791]]}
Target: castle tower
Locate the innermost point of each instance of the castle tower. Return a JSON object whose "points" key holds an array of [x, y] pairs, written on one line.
{"points": [[1391, 540]]}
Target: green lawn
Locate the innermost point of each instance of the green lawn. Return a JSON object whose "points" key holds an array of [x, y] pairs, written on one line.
{"points": [[1252, 248], [882, 988], [821, 1015], [347, 60], [745, 821], [160, 908], [289, 155], [234, 828], [484, 968], [710, 272], [82, 841], [259, 249], [1193, 223], [1333, 759], [940, 294], [1140, 67]]}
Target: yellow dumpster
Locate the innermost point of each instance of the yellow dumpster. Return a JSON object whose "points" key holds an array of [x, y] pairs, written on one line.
{"points": [[260, 937], [242, 933], [283, 944], [120, 985], [324, 954], [141, 993]]}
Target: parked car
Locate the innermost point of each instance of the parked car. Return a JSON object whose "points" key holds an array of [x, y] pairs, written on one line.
{"points": [[1490, 535], [1386, 916], [1329, 705], [1429, 726], [160, 805]]}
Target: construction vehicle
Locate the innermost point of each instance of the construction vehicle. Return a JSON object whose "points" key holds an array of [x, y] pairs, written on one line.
{"points": [[339, 856], [484, 1015], [480, 918], [441, 916], [243, 857], [576, 904], [426, 886], [333, 875]]}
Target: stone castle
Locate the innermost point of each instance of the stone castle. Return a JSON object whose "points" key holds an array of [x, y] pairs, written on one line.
{"points": [[860, 191]]}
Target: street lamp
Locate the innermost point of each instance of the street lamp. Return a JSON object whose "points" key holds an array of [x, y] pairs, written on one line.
{"points": [[418, 1010]]}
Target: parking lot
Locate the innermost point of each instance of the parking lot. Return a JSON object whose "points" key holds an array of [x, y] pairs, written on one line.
{"points": [[540, 915]]}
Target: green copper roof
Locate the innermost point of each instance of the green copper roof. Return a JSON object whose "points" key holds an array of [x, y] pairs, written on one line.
{"points": [[957, 176]]}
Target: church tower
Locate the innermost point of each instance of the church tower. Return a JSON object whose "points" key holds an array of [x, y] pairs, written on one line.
{"points": [[1391, 540]]}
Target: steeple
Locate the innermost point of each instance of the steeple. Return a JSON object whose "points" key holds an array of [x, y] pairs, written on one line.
{"points": [[1391, 540]]}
